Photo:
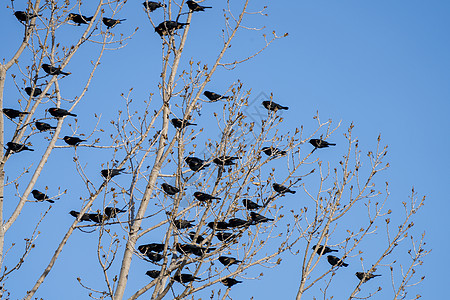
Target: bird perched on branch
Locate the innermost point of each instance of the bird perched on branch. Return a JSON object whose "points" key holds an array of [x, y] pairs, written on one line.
{"points": [[170, 190], [152, 273], [269, 105], [156, 247], [213, 97], [51, 70], [281, 189], [197, 240], [228, 261], [112, 212], [319, 143], [323, 249], [41, 126], [96, 217], [23, 16], [16, 148], [169, 27], [179, 123], [72, 140], [37, 91], [204, 197], [60, 112], [364, 277], [224, 236], [229, 282], [196, 164], [75, 214], [79, 19], [151, 5], [257, 218], [154, 257], [194, 6], [219, 225], [182, 224], [272, 151], [13, 113], [111, 172], [40, 196], [110, 23], [250, 205], [185, 278], [225, 160], [194, 249], [236, 223], [336, 261]]}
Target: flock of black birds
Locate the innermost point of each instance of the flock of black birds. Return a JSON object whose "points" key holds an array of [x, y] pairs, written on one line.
{"points": [[153, 251]]}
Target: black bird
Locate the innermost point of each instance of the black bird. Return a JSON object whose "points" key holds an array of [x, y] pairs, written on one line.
{"points": [[151, 5], [169, 27], [40, 196], [154, 257], [228, 261], [23, 16], [195, 164], [336, 261], [250, 205], [269, 105], [13, 113], [198, 240], [72, 140], [185, 278], [323, 249], [79, 19], [194, 249], [229, 282], [236, 223], [37, 91], [182, 224], [111, 172], [41, 126], [366, 276], [179, 123], [110, 23], [156, 247], [112, 212], [225, 160], [84, 217], [152, 273], [281, 189], [214, 97], [219, 225], [96, 217], [224, 236], [204, 197], [60, 112], [319, 143], [51, 70], [272, 151], [170, 190], [257, 218], [15, 147], [194, 6]]}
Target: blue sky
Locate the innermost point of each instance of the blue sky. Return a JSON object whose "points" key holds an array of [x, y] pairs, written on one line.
{"points": [[382, 65]]}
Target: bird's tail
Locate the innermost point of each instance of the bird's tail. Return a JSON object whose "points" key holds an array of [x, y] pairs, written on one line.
{"points": [[284, 107], [24, 113], [332, 250], [292, 192], [344, 264], [51, 201], [217, 198], [65, 73], [29, 149], [88, 18], [71, 114], [331, 144], [183, 24], [207, 6], [122, 20]]}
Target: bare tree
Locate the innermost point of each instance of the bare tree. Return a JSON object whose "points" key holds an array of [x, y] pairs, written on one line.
{"points": [[213, 196]]}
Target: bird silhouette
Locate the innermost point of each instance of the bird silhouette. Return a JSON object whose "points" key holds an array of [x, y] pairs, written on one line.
{"points": [[60, 112], [272, 151], [229, 282], [112, 212], [213, 97], [225, 236], [37, 91], [40, 196], [72, 140], [41, 126], [183, 224], [228, 261], [218, 225], [319, 143], [16, 148], [196, 164], [154, 257], [257, 218], [323, 249], [194, 6], [336, 261], [79, 19], [197, 240], [269, 105], [236, 223], [179, 123], [170, 190], [250, 205], [281, 189], [169, 27], [110, 23], [364, 277], [185, 278], [152, 273], [110, 173], [51, 70], [156, 247], [23, 16], [75, 214], [13, 113], [151, 5], [225, 160], [204, 197]]}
